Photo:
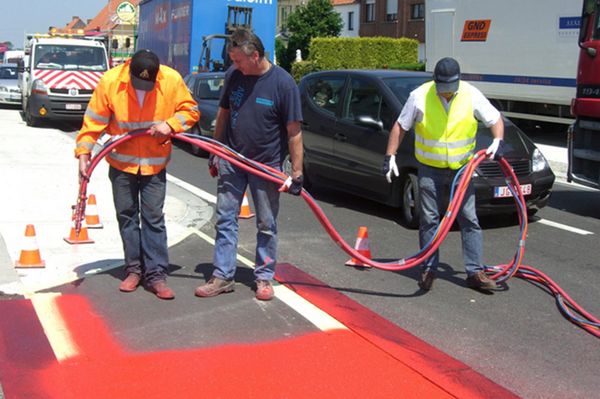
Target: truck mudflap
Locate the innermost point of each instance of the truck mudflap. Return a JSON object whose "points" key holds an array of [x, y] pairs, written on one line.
{"points": [[584, 153]]}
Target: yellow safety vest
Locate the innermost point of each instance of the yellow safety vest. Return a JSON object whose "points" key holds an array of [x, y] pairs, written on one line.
{"points": [[446, 139]]}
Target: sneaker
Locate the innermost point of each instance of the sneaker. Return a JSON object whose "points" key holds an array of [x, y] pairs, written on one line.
{"points": [[214, 287], [481, 281], [426, 281], [264, 290], [130, 283]]}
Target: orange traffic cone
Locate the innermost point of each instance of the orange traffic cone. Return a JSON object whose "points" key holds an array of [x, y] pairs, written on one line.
{"points": [[92, 220], [81, 238], [245, 212], [362, 246], [30, 254]]}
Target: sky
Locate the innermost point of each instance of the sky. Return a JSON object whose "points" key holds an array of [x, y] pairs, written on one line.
{"points": [[18, 17]]}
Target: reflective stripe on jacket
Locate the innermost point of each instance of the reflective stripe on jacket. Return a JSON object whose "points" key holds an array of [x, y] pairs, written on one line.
{"points": [[114, 109], [446, 139]]}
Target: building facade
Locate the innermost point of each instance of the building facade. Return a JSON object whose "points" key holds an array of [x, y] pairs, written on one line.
{"points": [[394, 18], [349, 11]]}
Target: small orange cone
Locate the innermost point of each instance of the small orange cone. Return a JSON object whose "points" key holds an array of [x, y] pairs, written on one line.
{"points": [[92, 220], [245, 212], [30, 254], [81, 238], [362, 246]]}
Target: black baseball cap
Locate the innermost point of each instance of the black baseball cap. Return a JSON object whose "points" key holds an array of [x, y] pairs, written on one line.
{"points": [[143, 69], [446, 75]]}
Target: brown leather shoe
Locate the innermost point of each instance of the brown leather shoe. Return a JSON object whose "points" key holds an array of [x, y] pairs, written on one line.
{"points": [[264, 290], [130, 283], [426, 281], [481, 281], [214, 287], [162, 290]]}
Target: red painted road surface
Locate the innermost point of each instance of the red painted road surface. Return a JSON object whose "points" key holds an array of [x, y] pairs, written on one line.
{"points": [[372, 359]]}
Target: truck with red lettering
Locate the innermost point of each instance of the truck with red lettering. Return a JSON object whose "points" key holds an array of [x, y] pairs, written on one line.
{"points": [[58, 74], [191, 35], [584, 137], [521, 54]]}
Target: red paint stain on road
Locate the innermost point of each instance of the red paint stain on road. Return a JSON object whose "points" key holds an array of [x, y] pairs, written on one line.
{"points": [[318, 365]]}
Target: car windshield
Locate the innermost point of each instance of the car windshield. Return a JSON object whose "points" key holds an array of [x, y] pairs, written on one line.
{"points": [[402, 86], [83, 58], [8, 73], [209, 88]]}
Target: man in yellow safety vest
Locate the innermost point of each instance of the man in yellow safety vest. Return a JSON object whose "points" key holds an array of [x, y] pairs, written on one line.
{"points": [[444, 114]]}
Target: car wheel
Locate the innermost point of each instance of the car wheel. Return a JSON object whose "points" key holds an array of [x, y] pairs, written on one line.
{"points": [[194, 149], [410, 200]]}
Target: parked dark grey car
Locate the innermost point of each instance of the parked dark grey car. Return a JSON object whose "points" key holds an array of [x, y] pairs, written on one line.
{"points": [[347, 118], [206, 90]]}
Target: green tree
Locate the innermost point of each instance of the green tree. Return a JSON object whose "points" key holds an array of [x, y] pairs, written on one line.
{"points": [[315, 19]]}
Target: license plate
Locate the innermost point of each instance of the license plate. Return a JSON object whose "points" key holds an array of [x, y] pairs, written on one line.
{"points": [[73, 106], [502, 192]]}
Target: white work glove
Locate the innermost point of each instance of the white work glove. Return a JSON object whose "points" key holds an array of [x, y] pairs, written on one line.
{"points": [[389, 167], [491, 150]]}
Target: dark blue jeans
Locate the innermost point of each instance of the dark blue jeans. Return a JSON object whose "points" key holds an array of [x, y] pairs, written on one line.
{"points": [[434, 190], [142, 198]]}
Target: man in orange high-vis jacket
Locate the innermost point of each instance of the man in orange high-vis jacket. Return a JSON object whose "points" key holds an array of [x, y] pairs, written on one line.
{"points": [[139, 94]]}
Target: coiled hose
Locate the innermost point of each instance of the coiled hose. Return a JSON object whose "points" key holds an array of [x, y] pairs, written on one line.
{"points": [[500, 273]]}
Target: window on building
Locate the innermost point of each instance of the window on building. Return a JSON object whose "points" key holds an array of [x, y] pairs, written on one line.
{"points": [[370, 11], [417, 11], [351, 20], [391, 10]]}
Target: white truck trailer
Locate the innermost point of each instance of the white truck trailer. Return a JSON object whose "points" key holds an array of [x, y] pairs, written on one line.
{"points": [[522, 54]]}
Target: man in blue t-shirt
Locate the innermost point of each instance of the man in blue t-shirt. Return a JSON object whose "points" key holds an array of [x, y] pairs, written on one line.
{"points": [[259, 116]]}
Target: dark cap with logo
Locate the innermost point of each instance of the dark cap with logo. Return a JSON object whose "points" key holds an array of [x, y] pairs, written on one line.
{"points": [[446, 75], [143, 70]]}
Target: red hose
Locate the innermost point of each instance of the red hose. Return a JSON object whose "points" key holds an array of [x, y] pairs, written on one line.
{"points": [[501, 272]]}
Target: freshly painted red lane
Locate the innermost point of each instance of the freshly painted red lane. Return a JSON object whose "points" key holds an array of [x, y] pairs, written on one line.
{"points": [[455, 377], [24, 351], [318, 365]]}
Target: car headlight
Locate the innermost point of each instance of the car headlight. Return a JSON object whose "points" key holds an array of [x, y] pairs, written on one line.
{"points": [[3, 89], [39, 87], [538, 162]]}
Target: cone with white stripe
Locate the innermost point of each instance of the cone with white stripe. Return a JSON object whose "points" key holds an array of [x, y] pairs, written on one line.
{"points": [[30, 254], [245, 212], [362, 247], [92, 219]]}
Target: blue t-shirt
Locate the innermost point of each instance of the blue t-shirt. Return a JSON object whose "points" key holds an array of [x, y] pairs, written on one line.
{"points": [[260, 108]]}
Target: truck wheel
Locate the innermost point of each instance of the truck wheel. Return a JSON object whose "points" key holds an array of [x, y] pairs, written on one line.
{"points": [[31, 120], [410, 201]]}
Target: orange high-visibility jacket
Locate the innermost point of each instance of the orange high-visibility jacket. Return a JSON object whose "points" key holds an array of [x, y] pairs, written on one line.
{"points": [[114, 109]]}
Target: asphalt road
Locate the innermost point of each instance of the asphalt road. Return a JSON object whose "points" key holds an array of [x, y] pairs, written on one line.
{"points": [[517, 337]]}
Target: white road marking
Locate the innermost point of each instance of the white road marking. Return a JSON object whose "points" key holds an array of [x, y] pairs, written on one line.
{"points": [[54, 326], [565, 227], [193, 189], [310, 312]]}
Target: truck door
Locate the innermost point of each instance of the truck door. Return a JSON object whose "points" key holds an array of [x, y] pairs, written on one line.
{"points": [[441, 27]]}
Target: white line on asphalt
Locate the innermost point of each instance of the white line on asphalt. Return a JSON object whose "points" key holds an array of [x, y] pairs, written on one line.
{"points": [[565, 227], [54, 326], [193, 189], [310, 312]]}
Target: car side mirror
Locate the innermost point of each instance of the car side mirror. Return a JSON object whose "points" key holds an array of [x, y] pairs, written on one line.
{"points": [[368, 121]]}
